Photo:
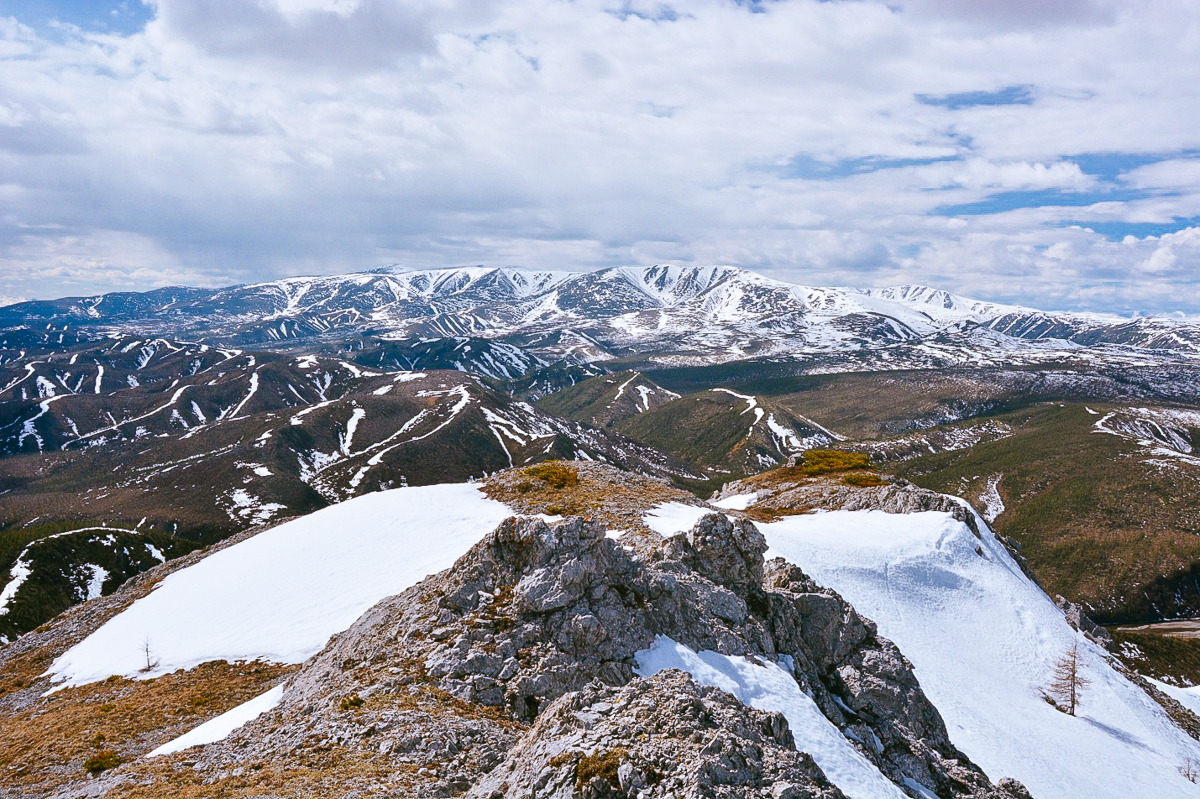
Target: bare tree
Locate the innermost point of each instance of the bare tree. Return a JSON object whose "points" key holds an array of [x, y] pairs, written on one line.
{"points": [[1068, 682], [151, 661]]}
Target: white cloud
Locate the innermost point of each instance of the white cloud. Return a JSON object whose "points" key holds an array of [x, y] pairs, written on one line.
{"points": [[236, 140], [1015, 14], [55, 263]]}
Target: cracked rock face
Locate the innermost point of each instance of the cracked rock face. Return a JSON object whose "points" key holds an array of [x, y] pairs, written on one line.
{"points": [[656, 737], [537, 621]]}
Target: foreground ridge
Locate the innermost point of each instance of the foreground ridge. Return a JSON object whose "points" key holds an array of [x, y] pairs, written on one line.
{"points": [[445, 676]]}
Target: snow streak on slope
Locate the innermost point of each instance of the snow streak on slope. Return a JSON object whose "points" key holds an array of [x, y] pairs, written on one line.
{"points": [[770, 686], [216, 729], [280, 595], [993, 503], [983, 639]]}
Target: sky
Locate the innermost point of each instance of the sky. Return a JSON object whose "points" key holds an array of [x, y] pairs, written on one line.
{"points": [[1041, 153]]}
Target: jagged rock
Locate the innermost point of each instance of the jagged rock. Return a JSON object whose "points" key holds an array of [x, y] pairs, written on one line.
{"points": [[1080, 621], [774, 492], [728, 552], [656, 737], [1004, 789], [535, 612]]}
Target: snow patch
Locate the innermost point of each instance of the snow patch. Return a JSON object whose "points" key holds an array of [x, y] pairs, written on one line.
{"points": [[736, 502], [217, 729], [672, 518], [356, 416], [993, 505], [17, 576], [95, 584], [249, 508], [281, 594]]}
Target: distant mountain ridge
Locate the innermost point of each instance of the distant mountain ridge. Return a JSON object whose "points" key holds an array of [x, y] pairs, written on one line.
{"points": [[673, 314]]}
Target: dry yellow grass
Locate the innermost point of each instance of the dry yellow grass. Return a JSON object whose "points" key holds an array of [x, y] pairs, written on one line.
{"points": [[48, 743], [601, 492]]}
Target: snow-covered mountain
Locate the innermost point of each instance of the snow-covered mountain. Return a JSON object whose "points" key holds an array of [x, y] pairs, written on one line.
{"points": [[670, 313]]}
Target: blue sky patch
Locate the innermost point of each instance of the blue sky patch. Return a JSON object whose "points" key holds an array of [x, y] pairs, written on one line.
{"points": [[662, 13], [755, 6], [1116, 231], [808, 168], [1012, 200], [1010, 95], [100, 16], [1110, 166]]}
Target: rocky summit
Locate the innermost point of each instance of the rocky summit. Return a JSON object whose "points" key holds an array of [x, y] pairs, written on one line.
{"points": [[516, 673]]}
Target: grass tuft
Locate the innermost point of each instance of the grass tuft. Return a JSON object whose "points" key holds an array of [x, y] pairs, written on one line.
{"points": [[599, 764], [102, 761], [351, 701], [863, 480], [556, 474]]}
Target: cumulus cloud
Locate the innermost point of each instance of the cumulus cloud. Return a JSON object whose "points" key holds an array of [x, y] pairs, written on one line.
{"points": [[852, 142]]}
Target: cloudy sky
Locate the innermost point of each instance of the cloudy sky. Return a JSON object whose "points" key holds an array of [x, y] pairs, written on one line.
{"points": [[1040, 152]]}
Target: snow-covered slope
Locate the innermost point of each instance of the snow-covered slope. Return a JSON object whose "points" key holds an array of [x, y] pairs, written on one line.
{"points": [[983, 639], [944, 307], [280, 595]]}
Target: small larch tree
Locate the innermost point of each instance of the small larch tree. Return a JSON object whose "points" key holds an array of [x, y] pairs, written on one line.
{"points": [[1068, 681]]}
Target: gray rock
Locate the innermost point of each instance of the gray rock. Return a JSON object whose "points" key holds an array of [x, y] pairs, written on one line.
{"points": [[657, 737], [540, 622]]}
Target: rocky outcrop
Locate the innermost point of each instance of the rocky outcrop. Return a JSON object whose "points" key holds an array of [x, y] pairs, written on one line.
{"points": [[442, 679], [779, 492], [657, 737], [1080, 621]]}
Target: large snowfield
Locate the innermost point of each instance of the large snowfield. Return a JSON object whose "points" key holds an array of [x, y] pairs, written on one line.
{"points": [[982, 637], [280, 595]]}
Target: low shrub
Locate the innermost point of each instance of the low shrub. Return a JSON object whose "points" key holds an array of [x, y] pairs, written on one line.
{"points": [[823, 461], [555, 474], [599, 765], [199, 700], [351, 701], [863, 480], [102, 761]]}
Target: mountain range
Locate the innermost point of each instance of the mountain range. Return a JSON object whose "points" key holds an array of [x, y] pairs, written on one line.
{"points": [[505, 322]]}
